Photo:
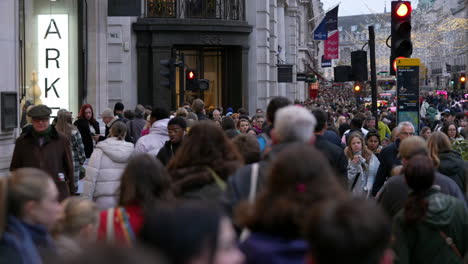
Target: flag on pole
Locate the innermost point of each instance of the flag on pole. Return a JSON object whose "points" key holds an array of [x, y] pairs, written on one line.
{"points": [[331, 46], [329, 23], [321, 33], [331, 19]]}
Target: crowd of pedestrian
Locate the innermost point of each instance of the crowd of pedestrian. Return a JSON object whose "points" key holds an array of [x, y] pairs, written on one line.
{"points": [[323, 181]]}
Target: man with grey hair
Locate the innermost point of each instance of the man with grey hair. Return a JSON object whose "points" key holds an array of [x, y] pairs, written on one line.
{"points": [[389, 156], [135, 126], [293, 125]]}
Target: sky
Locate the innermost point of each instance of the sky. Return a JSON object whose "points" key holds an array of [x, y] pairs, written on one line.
{"points": [[360, 7]]}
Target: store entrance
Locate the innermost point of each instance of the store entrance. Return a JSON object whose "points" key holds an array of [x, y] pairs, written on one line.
{"points": [[207, 63], [217, 65]]}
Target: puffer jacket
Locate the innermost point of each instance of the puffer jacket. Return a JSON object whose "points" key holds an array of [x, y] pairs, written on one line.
{"points": [[451, 164], [104, 171], [155, 140], [423, 242]]}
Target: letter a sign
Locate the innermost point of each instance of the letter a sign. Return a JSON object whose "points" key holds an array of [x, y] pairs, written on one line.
{"points": [[53, 70]]}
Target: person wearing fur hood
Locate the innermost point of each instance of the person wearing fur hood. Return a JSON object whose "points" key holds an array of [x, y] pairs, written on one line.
{"points": [[105, 168]]}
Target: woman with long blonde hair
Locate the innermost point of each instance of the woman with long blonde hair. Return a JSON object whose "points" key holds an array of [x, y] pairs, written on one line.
{"points": [[448, 161], [362, 165]]}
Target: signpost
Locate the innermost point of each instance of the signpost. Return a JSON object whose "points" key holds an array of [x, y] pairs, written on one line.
{"points": [[408, 91]]}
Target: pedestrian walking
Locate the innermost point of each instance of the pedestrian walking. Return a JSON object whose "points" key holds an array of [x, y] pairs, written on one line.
{"points": [[176, 129], [191, 232], [76, 227], [44, 148], [203, 163], [299, 179], [362, 165], [352, 231], [29, 209], [135, 126], [105, 168], [446, 160], [430, 216], [88, 127], [158, 133], [145, 183], [64, 125]]}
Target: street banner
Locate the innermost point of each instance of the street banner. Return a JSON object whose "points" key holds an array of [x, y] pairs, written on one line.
{"points": [[331, 46], [326, 63], [408, 91], [331, 19], [313, 90], [321, 33]]}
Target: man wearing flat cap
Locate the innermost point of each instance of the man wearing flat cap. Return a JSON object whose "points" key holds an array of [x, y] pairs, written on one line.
{"points": [[44, 148]]}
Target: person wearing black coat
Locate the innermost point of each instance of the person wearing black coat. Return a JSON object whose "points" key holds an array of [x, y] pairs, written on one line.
{"points": [[85, 123], [389, 156], [176, 129]]}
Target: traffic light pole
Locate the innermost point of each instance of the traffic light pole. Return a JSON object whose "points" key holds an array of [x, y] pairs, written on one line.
{"points": [[181, 80], [373, 73]]}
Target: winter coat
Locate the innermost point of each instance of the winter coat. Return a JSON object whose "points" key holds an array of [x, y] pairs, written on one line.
{"points": [[85, 132], [422, 242], [266, 249], [155, 140], [238, 184], [384, 131], [388, 159], [202, 182], [167, 152], [78, 152], [53, 157], [431, 114], [23, 243], [134, 128], [104, 171], [451, 164], [334, 155], [394, 193], [361, 176]]}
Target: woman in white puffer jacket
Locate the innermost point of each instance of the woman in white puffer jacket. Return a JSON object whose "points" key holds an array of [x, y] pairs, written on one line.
{"points": [[106, 166]]}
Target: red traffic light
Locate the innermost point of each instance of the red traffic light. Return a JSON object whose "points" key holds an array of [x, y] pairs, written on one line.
{"points": [[403, 9], [191, 75], [394, 62]]}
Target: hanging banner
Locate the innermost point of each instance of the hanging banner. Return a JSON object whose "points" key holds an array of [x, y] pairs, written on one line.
{"points": [[331, 46], [313, 90], [326, 63]]}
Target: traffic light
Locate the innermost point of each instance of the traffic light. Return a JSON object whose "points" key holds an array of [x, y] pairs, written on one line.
{"points": [[401, 32], [357, 88], [167, 73], [462, 81], [190, 80], [359, 65]]}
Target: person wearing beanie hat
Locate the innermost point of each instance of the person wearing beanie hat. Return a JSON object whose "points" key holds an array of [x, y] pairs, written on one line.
{"points": [[44, 148]]}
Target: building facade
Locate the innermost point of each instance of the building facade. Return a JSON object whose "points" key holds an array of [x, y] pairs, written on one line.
{"points": [[66, 53], [440, 39]]}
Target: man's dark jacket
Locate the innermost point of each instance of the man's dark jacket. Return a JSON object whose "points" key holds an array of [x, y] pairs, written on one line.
{"points": [[388, 160], [53, 157], [167, 152]]}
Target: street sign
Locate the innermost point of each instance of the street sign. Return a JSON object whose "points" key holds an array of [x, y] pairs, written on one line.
{"points": [[408, 91], [326, 63]]}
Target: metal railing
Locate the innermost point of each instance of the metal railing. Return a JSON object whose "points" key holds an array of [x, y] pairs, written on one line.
{"points": [[201, 9]]}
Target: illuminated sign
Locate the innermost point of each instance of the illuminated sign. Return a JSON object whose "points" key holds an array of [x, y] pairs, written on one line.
{"points": [[53, 70]]}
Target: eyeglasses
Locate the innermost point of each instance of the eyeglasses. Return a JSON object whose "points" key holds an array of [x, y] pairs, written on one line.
{"points": [[407, 133]]}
